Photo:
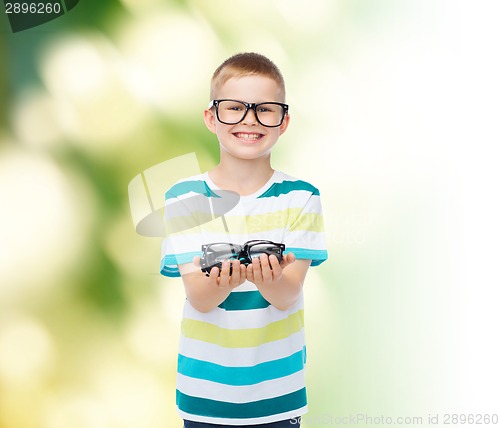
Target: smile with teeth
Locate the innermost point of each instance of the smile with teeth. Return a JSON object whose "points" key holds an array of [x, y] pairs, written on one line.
{"points": [[248, 136]]}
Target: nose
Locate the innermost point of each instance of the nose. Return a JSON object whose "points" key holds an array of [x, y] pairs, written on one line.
{"points": [[250, 117]]}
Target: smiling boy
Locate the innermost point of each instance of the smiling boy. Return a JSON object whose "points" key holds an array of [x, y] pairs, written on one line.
{"points": [[242, 349]]}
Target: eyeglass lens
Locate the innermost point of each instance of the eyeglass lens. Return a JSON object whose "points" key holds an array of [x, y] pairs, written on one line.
{"points": [[220, 252], [232, 112], [259, 249]]}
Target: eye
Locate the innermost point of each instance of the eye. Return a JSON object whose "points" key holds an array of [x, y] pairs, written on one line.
{"points": [[268, 108], [232, 106]]}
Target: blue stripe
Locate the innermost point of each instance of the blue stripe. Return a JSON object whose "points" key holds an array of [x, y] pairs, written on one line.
{"points": [[244, 300], [316, 256], [171, 273], [185, 187], [169, 263], [254, 409], [239, 376], [285, 187]]}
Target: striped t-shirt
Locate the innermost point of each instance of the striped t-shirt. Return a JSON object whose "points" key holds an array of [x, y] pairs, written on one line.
{"points": [[243, 362]]}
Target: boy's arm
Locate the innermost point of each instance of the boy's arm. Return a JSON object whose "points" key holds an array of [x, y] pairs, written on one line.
{"points": [[281, 286], [206, 293]]}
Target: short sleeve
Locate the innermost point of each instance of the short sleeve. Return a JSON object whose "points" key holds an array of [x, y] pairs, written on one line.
{"points": [[305, 235], [186, 209], [182, 243], [194, 215]]}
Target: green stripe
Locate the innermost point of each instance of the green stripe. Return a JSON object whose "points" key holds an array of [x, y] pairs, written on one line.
{"points": [[285, 187], [291, 216], [255, 223], [310, 222], [243, 301], [254, 409], [185, 187], [242, 338]]}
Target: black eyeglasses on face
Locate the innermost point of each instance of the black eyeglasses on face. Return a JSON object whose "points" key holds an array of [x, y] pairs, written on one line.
{"points": [[215, 254], [231, 112]]}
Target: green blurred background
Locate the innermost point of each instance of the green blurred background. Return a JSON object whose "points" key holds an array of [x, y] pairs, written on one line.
{"points": [[393, 105]]}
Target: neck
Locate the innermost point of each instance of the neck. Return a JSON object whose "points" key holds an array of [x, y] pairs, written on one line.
{"points": [[244, 176]]}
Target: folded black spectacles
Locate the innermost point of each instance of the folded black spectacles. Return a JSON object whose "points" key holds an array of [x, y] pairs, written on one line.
{"points": [[215, 254]]}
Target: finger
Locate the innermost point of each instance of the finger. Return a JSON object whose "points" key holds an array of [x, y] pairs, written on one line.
{"points": [[275, 266], [214, 276], [235, 276], [257, 271], [267, 275], [224, 274], [288, 259], [196, 261], [250, 272], [243, 273]]}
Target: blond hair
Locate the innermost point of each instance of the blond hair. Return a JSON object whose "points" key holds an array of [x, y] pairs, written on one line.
{"points": [[246, 64]]}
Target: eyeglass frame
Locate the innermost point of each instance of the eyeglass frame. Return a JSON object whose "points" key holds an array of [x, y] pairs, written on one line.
{"points": [[243, 255], [248, 106]]}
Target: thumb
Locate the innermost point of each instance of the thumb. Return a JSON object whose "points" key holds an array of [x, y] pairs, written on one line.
{"points": [[289, 258]]}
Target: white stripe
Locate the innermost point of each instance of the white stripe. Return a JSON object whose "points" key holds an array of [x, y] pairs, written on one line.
{"points": [[307, 240], [240, 394], [250, 421], [182, 241], [185, 244], [313, 205], [246, 286], [293, 200], [192, 241], [241, 357], [301, 239]]}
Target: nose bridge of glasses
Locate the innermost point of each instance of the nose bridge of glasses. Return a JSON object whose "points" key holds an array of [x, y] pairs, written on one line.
{"points": [[243, 255], [250, 107]]}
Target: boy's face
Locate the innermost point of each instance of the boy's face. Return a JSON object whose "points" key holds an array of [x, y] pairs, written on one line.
{"points": [[247, 139]]}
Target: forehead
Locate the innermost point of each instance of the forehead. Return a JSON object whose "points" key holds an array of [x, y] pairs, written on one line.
{"points": [[254, 88]]}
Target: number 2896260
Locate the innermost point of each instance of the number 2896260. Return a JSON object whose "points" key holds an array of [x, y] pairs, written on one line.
{"points": [[32, 8]]}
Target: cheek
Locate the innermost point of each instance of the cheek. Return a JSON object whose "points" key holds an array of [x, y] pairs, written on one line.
{"points": [[276, 133], [221, 129]]}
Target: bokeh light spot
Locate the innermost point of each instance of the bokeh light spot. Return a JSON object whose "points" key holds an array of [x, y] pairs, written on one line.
{"points": [[27, 350]]}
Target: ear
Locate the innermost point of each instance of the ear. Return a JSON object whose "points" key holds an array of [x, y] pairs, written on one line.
{"points": [[210, 120], [284, 125]]}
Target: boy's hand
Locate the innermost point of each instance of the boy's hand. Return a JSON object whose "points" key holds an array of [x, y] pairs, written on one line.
{"points": [[281, 286], [267, 270], [226, 280]]}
